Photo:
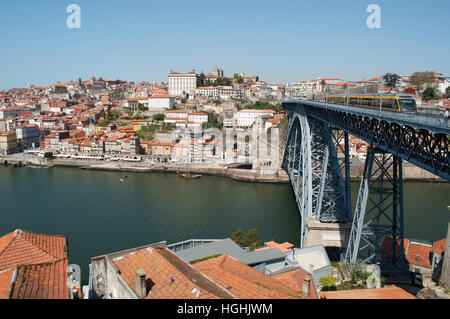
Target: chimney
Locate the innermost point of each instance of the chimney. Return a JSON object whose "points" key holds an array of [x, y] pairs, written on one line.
{"points": [[307, 282], [306, 286], [141, 287]]}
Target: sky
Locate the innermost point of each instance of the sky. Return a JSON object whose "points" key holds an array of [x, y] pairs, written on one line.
{"points": [[280, 41]]}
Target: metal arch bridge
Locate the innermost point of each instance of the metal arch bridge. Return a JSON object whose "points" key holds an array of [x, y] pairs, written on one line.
{"points": [[320, 175]]}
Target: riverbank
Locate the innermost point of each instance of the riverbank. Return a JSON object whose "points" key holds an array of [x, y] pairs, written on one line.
{"points": [[259, 176], [410, 172]]}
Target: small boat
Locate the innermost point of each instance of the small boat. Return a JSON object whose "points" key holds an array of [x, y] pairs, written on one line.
{"points": [[190, 176]]}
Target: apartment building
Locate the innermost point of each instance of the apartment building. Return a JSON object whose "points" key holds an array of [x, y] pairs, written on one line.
{"points": [[246, 117], [160, 101], [8, 142]]}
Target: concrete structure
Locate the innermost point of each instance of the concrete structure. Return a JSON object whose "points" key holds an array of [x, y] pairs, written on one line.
{"points": [[327, 234], [313, 258]]}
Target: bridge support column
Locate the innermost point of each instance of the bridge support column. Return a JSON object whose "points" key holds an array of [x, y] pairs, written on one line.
{"points": [[377, 233]]}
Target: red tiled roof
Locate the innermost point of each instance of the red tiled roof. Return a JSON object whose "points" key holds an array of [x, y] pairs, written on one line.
{"points": [[294, 280], [26, 248], [41, 263], [419, 254], [439, 246], [172, 277], [5, 283], [243, 281], [42, 281], [391, 292]]}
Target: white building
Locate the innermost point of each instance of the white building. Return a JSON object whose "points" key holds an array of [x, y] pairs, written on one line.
{"points": [[209, 91], [182, 83], [161, 101], [246, 118]]}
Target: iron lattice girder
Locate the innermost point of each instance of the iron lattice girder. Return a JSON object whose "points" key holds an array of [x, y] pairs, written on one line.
{"points": [[379, 215], [313, 166], [418, 146]]}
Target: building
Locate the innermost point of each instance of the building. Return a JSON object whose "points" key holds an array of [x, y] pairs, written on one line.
{"points": [[391, 292], [27, 135], [246, 117], [34, 266], [155, 272], [8, 142], [160, 101], [182, 84]]}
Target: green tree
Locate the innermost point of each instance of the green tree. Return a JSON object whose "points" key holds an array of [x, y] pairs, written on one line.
{"points": [[238, 78], [48, 155], [158, 117], [201, 80], [238, 237], [183, 100], [253, 239], [328, 282], [141, 107], [447, 92], [429, 94], [391, 80]]}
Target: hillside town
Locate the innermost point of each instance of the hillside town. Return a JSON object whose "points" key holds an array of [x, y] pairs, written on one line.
{"points": [[178, 121]]}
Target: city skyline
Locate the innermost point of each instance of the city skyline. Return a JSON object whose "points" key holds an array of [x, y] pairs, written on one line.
{"points": [[148, 40]]}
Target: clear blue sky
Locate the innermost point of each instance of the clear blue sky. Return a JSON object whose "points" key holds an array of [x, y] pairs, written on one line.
{"points": [[281, 41]]}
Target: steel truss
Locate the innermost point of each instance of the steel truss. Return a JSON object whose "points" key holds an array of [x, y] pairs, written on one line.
{"points": [[315, 171], [418, 146], [377, 234]]}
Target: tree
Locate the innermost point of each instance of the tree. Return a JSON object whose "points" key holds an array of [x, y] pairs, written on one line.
{"points": [[48, 155], [421, 79], [201, 80], [238, 78], [253, 239], [429, 94], [183, 100], [391, 80], [238, 237], [447, 92], [158, 117]]}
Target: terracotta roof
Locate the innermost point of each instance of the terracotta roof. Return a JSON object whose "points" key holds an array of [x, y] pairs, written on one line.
{"points": [[243, 281], [284, 247], [439, 246], [391, 292], [26, 248], [294, 280], [42, 281], [419, 254], [171, 277], [5, 283], [41, 263]]}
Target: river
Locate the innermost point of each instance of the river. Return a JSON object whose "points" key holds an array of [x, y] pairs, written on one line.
{"points": [[100, 214]]}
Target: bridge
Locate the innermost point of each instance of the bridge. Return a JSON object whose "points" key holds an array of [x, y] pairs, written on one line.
{"points": [[318, 164]]}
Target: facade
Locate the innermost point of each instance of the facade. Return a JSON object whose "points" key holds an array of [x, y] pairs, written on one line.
{"points": [[161, 101], [181, 84], [27, 135], [8, 142], [246, 118]]}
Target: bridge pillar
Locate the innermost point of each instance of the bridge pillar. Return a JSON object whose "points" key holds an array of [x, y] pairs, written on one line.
{"points": [[377, 233], [327, 234]]}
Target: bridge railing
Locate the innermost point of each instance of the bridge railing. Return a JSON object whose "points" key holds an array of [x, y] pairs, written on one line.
{"points": [[428, 119]]}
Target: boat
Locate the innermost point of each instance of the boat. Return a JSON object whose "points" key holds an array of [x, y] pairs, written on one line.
{"points": [[190, 176]]}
